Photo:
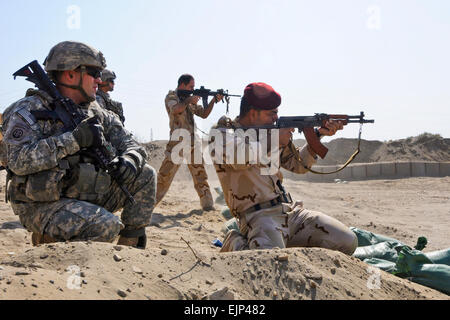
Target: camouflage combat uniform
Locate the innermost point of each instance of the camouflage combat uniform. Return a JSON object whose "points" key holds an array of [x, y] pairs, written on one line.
{"points": [[105, 101], [266, 215], [184, 120], [58, 191]]}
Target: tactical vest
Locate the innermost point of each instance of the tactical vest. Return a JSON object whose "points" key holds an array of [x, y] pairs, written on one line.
{"points": [[76, 177]]}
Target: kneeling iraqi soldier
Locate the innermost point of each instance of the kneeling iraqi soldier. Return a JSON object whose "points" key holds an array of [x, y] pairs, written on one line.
{"points": [[55, 185], [266, 215]]}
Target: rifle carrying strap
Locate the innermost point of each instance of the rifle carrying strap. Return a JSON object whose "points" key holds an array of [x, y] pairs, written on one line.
{"points": [[352, 157]]}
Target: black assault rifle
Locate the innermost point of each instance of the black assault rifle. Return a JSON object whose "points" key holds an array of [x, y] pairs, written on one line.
{"points": [[64, 110], [205, 93], [306, 124]]}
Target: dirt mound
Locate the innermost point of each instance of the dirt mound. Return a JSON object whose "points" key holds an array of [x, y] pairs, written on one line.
{"points": [[168, 269], [103, 271], [425, 147]]}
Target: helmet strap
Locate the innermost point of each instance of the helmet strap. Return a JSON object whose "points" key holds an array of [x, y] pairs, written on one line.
{"points": [[79, 87]]}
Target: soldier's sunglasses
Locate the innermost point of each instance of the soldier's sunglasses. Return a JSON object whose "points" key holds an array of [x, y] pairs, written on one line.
{"points": [[93, 72]]}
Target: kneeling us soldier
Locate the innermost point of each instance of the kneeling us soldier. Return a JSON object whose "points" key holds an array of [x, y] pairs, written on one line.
{"points": [[266, 214], [55, 186], [103, 98]]}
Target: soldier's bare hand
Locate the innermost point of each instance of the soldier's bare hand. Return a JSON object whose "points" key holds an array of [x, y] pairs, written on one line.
{"points": [[193, 100], [331, 127], [218, 98]]}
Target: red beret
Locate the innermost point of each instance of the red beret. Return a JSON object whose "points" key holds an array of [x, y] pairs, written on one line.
{"points": [[262, 96]]}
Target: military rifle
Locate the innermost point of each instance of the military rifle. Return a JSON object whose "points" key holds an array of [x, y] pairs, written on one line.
{"points": [[64, 110], [205, 93], [308, 124]]}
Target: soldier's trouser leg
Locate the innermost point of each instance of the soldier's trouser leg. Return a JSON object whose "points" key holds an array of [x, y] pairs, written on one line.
{"points": [[265, 229], [143, 189], [69, 219], [286, 226], [80, 221], [139, 215], [201, 185], [166, 174], [315, 229]]}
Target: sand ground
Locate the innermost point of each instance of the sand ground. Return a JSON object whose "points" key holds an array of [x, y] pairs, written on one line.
{"points": [[403, 209]]}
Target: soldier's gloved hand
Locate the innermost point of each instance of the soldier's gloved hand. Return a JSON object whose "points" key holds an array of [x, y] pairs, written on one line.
{"points": [[124, 169], [89, 133]]}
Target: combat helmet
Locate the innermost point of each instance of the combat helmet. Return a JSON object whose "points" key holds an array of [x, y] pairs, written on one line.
{"points": [[108, 75], [69, 55]]}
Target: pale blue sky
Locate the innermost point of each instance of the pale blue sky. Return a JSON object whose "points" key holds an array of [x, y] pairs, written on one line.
{"points": [[389, 58]]}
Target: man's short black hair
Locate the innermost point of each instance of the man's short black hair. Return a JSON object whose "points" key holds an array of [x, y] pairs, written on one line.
{"points": [[245, 107], [185, 79]]}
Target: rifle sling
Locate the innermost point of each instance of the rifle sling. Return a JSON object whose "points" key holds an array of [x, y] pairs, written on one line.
{"points": [[352, 157]]}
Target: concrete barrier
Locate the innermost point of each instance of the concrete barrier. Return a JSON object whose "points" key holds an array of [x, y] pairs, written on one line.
{"points": [[380, 170], [359, 171], [345, 174], [403, 169], [432, 169], [444, 169], [373, 170], [418, 169], [388, 169]]}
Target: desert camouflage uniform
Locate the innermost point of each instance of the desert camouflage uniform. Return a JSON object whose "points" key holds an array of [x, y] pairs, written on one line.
{"points": [[280, 223], [57, 191], [184, 120], [105, 101]]}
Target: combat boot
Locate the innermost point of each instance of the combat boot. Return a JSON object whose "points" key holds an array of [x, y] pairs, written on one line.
{"points": [[234, 241], [207, 202], [133, 238], [37, 239]]}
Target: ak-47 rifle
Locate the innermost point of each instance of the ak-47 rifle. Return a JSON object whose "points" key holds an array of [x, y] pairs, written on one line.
{"points": [[308, 124], [64, 110], [205, 93]]}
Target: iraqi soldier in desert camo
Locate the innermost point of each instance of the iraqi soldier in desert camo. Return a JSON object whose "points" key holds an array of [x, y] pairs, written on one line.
{"points": [[181, 111], [266, 214], [54, 184], [103, 97]]}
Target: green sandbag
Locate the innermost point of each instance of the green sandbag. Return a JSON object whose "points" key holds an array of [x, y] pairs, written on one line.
{"points": [[384, 250], [226, 214], [367, 238], [419, 268], [382, 264], [439, 257], [436, 276], [410, 260], [229, 225]]}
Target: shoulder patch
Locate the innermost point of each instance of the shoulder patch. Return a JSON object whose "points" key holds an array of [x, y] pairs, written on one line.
{"points": [[18, 134]]}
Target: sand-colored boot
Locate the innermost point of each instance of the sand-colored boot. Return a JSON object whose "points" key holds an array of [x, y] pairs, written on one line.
{"points": [[207, 202], [37, 239], [133, 238], [234, 241]]}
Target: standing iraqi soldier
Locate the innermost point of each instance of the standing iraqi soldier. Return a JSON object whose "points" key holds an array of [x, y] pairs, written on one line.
{"points": [[103, 98], [55, 185], [181, 111], [266, 214]]}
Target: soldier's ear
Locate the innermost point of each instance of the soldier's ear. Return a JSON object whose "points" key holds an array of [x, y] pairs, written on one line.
{"points": [[67, 76]]}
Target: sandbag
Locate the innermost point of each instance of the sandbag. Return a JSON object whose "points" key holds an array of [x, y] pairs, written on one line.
{"points": [[229, 225], [367, 238], [384, 250], [382, 264], [440, 256]]}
